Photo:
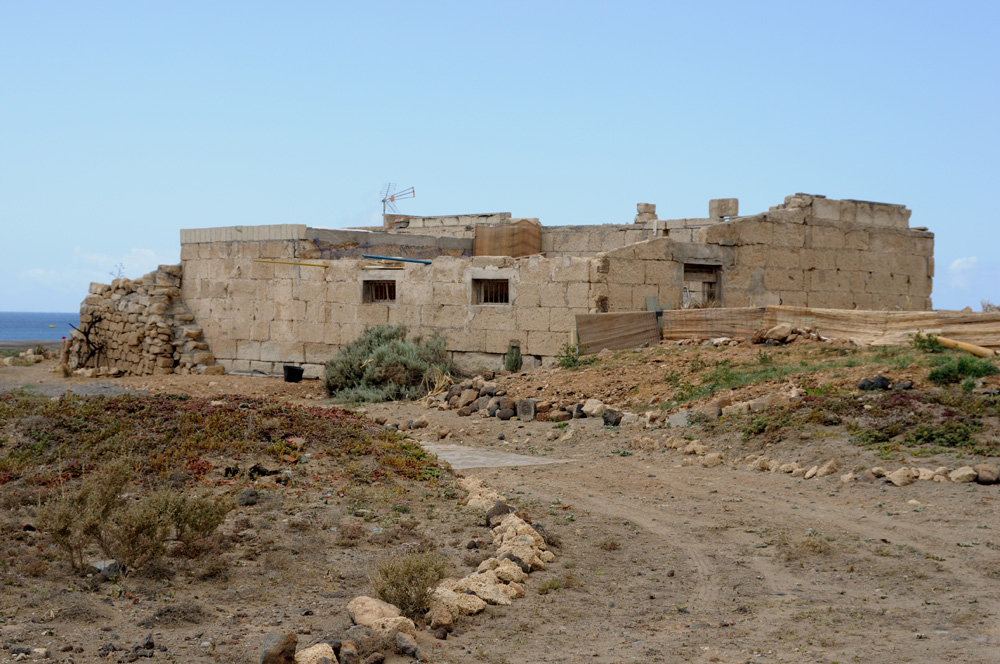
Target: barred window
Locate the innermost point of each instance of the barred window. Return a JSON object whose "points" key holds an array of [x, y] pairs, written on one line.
{"points": [[379, 291], [491, 291]]}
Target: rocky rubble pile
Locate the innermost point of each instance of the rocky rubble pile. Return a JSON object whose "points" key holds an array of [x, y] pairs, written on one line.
{"points": [[380, 629], [29, 356], [139, 327]]}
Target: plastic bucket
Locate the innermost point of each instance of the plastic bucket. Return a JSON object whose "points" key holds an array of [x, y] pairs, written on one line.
{"points": [[292, 374]]}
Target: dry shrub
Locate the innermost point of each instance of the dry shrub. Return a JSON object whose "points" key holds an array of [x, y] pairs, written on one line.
{"points": [[132, 532], [350, 533], [610, 544], [407, 580]]}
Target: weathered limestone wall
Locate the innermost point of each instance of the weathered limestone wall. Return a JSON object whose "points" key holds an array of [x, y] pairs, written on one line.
{"points": [[791, 258], [259, 312], [141, 327], [459, 225]]}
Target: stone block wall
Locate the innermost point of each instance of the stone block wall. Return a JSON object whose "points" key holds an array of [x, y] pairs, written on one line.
{"points": [[142, 328], [791, 257], [258, 312]]}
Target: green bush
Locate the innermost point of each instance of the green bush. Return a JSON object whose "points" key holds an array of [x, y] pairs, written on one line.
{"points": [[383, 365], [927, 343], [957, 369]]}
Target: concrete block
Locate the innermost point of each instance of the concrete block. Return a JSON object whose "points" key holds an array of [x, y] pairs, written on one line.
{"points": [[726, 234], [826, 208], [645, 208], [825, 237], [578, 295], [543, 343], [313, 290], [283, 330], [655, 249], [469, 341], [444, 316], [779, 280], [848, 211], [317, 312], [331, 335], [528, 295], [261, 271], [311, 333], [563, 319], [270, 351], [446, 293], [553, 295], [783, 257], [641, 292], [856, 239], [318, 353], [818, 259], [863, 213], [756, 232], [497, 341], [626, 272], [373, 314], [619, 297], [793, 298], [570, 269], [346, 292], [403, 314], [828, 281], [664, 273], [533, 318], [613, 240], [723, 207], [787, 216], [496, 318], [848, 260], [788, 235]]}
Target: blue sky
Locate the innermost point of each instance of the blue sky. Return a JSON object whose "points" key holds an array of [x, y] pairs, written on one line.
{"points": [[123, 122]]}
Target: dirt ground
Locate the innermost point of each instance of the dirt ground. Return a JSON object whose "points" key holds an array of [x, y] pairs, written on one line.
{"points": [[658, 562]]}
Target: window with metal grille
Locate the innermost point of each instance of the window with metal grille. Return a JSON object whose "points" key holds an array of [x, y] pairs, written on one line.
{"points": [[379, 291], [491, 291]]}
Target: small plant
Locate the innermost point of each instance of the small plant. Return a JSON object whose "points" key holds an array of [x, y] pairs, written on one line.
{"points": [[610, 544], [957, 369], [989, 306], [927, 343], [407, 580], [570, 356], [549, 586], [512, 358]]}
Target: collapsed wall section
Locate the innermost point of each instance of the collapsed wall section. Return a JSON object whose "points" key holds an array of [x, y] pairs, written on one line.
{"points": [[139, 327]]}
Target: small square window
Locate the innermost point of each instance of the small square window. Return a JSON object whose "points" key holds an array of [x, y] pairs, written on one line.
{"points": [[379, 292], [491, 291]]}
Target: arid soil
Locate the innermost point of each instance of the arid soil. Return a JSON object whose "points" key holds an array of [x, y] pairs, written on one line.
{"points": [[657, 560]]}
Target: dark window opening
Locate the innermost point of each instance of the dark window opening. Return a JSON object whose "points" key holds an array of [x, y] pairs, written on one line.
{"points": [[701, 286], [491, 291], [379, 291]]}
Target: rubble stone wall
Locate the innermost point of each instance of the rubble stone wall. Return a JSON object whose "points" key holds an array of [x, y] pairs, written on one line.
{"points": [[139, 327]]}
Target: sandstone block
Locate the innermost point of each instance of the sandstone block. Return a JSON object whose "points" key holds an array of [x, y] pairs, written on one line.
{"points": [[723, 207]]}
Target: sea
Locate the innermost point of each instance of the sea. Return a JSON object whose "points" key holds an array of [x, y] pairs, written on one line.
{"points": [[34, 326]]}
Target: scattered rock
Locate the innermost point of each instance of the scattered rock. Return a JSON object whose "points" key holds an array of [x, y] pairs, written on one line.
{"points": [[680, 419], [315, 654], [349, 653], [592, 408], [963, 474], [878, 382], [612, 418], [278, 648], [712, 460], [987, 473], [407, 645], [366, 610], [499, 510], [505, 414], [828, 468], [902, 477], [247, 497]]}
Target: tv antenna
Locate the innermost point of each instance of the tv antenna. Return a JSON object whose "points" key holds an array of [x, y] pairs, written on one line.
{"points": [[390, 196]]}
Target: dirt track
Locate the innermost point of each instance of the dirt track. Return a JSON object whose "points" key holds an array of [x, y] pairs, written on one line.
{"points": [[766, 567]]}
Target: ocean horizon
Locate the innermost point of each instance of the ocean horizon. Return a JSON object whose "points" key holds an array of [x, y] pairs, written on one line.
{"points": [[36, 326]]}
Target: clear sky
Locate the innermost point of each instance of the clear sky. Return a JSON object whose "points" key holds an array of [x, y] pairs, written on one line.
{"points": [[123, 122]]}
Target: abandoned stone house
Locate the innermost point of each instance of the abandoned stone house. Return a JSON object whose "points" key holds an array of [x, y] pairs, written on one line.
{"points": [[265, 296]]}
